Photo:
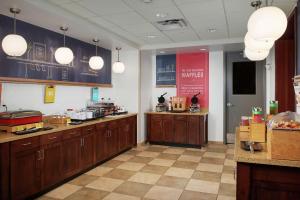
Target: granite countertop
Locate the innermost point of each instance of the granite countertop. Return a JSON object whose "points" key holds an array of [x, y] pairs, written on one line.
{"points": [[8, 137], [177, 113], [262, 157]]}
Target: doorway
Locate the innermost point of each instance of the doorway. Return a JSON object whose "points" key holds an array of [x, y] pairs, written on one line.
{"points": [[245, 88]]}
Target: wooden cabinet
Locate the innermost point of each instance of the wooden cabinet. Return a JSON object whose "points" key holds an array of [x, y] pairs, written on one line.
{"points": [[88, 147], [71, 152], [260, 182], [25, 168], [101, 137], [177, 128], [112, 140], [124, 134], [4, 170], [51, 150], [180, 129]]}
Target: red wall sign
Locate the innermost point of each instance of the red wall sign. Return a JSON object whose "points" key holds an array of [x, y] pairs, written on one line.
{"points": [[192, 76]]}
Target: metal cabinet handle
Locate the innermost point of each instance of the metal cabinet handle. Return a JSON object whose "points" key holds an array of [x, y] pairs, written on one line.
{"points": [[52, 138], [26, 144], [82, 141]]}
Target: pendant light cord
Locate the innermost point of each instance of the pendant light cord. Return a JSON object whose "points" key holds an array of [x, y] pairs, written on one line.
{"points": [[64, 38], [96, 47], [118, 55], [15, 26]]}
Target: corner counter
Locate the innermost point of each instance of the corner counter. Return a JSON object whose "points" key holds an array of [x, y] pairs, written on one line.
{"points": [[173, 128], [260, 177]]}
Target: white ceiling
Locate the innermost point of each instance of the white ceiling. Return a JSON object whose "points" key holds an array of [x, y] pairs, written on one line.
{"points": [[131, 21]]}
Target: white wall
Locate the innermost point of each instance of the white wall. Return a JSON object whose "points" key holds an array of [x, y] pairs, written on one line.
{"points": [[216, 96], [270, 78], [124, 91]]}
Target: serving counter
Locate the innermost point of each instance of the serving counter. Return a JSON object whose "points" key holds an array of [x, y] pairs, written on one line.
{"points": [[260, 177], [47, 159], [183, 128]]}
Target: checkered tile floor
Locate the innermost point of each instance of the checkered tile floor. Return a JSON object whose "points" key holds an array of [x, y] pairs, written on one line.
{"points": [[158, 173]]}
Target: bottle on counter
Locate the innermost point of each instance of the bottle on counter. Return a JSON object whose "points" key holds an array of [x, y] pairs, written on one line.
{"points": [[170, 104]]}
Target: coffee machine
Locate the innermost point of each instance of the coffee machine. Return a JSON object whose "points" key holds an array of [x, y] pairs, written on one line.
{"points": [[195, 106], [161, 105]]}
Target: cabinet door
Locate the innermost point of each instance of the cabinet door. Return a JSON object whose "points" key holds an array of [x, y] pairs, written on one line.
{"points": [[180, 129], [124, 132], [101, 142], [131, 138], [71, 154], [113, 138], [193, 130], [25, 173], [168, 128], [156, 129], [52, 164], [88, 148]]}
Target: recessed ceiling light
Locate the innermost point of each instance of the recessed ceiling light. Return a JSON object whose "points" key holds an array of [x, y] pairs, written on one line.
{"points": [[162, 52], [161, 15], [147, 1], [212, 30], [151, 36], [203, 49]]}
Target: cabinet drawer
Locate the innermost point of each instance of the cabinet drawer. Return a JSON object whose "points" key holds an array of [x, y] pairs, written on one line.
{"points": [[113, 124], [71, 133], [193, 119], [156, 117], [180, 117], [88, 130], [51, 138], [101, 125], [168, 117], [25, 144]]}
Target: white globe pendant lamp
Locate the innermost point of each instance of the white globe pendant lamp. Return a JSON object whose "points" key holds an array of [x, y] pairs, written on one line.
{"points": [[13, 44], [251, 43], [256, 55], [64, 55], [118, 67], [267, 23], [96, 62]]}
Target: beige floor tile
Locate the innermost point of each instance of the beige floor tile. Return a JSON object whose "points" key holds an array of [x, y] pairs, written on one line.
{"points": [[99, 171], [132, 152], [227, 178], [207, 176], [146, 178], [193, 153], [148, 154], [139, 159], [229, 169], [88, 194], [191, 195], [217, 161], [224, 197], [179, 172], [123, 157], [160, 146], [120, 174], [195, 149], [173, 182], [133, 189], [230, 146], [163, 193], [216, 150], [83, 180], [174, 150], [106, 184], [185, 165], [156, 149], [132, 166], [112, 163], [168, 156], [154, 169], [229, 156], [214, 155], [220, 146], [230, 151], [210, 167], [229, 163], [45, 198], [227, 189], [162, 162], [203, 186], [63, 191], [189, 158], [117, 196]]}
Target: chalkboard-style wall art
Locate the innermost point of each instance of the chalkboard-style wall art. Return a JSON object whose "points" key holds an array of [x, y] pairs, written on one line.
{"points": [[38, 64], [166, 70]]}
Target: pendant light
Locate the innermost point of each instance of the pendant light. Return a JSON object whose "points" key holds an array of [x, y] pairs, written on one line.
{"points": [[256, 55], [118, 67], [13, 44], [252, 43], [268, 23], [96, 62], [64, 55]]}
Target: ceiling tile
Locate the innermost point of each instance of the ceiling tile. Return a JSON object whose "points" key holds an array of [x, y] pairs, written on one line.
{"points": [[182, 35], [142, 29], [139, 4], [157, 40], [125, 19], [102, 22], [60, 1], [105, 7], [78, 10]]}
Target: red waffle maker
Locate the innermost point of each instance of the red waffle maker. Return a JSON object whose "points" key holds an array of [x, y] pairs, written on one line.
{"points": [[20, 117]]}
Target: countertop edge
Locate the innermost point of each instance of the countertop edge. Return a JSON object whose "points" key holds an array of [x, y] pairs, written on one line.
{"points": [[13, 137], [176, 113]]}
